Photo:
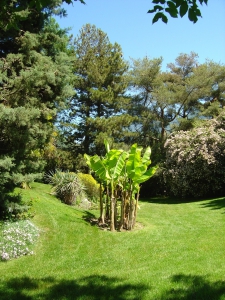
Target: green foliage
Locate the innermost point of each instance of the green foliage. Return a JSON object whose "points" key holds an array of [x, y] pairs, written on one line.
{"points": [[176, 8], [11, 15], [176, 254], [121, 172], [18, 161], [195, 161], [13, 207], [98, 110], [35, 83], [166, 101], [154, 187], [92, 188], [67, 186], [55, 156]]}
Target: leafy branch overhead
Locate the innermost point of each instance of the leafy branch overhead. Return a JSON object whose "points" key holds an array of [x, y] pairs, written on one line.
{"points": [[176, 8]]}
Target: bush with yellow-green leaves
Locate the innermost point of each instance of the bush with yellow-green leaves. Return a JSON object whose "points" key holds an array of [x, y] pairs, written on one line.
{"points": [[92, 187]]}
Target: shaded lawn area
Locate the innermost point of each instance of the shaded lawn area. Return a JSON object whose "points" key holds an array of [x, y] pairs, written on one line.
{"points": [[178, 254]]}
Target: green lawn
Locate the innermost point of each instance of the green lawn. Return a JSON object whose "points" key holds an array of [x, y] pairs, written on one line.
{"points": [[178, 254]]}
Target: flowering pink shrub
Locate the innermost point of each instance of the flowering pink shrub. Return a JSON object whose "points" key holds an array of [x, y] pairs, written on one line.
{"points": [[195, 161]]}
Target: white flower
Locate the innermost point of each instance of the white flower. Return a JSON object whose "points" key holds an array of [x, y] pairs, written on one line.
{"points": [[5, 256]]}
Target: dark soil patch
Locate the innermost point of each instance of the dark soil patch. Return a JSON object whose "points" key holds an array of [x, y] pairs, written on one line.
{"points": [[106, 226]]}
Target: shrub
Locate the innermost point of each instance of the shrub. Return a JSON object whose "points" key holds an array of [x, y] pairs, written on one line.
{"points": [[67, 186], [195, 161], [92, 188], [14, 207], [155, 186]]}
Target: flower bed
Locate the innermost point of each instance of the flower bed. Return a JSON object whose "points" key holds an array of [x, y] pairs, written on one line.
{"points": [[17, 239]]}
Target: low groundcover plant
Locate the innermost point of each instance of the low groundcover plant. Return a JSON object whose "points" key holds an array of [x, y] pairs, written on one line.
{"points": [[17, 239]]}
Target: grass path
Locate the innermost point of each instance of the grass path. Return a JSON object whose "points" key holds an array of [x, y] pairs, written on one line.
{"points": [[179, 254]]}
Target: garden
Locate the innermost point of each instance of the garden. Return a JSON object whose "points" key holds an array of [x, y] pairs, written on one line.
{"points": [[112, 172], [176, 253]]}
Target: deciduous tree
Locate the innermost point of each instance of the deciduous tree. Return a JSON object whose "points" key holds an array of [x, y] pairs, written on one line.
{"points": [[176, 8]]}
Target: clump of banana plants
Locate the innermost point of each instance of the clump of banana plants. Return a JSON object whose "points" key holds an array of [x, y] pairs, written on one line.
{"points": [[121, 173]]}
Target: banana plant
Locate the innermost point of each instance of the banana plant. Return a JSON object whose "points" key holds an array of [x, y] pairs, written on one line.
{"points": [[108, 170], [126, 170], [137, 173], [97, 165]]}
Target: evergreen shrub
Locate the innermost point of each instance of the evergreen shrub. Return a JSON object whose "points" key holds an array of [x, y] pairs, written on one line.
{"points": [[92, 188], [14, 207], [155, 186]]}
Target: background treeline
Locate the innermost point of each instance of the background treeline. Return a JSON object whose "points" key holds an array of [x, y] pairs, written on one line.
{"points": [[61, 97]]}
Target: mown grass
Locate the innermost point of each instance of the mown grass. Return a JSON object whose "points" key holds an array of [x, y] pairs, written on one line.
{"points": [[178, 254]]}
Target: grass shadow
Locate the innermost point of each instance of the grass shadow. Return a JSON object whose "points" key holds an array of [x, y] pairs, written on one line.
{"points": [[90, 218], [215, 203], [169, 200], [185, 287], [90, 287], [190, 287]]}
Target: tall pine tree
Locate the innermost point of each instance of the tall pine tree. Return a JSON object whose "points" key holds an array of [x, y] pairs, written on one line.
{"points": [[98, 110], [35, 82]]}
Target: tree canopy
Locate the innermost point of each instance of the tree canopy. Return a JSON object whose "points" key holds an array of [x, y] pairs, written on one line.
{"points": [[35, 82], [98, 109], [175, 8], [14, 12], [61, 98], [11, 13]]}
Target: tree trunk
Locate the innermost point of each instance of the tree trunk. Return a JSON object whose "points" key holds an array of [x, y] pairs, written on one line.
{"points": [[131, 214], [115, 209], [101, 218], [112, 207], [107, 214], [122, 210], [135, 210], [112, 225], [131, 210], [162, 125]]}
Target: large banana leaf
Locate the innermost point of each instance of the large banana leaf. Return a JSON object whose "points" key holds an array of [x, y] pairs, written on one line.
{"points": [[106, 146], [146, 157], [144, 177], [110, 167], [115, 160], [98, 166], [134, 160], [137, 166]]}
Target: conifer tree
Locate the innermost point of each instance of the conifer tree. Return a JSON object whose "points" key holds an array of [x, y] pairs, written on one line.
{"points": [[35, 81], [98, 110], [173, 100]]}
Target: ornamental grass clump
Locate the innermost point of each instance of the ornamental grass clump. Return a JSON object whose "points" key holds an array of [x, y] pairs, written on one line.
{"points": [[17, 239], [66, 186]]}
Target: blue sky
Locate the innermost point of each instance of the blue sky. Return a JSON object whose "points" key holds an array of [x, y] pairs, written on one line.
{"points": [[127, 23]]}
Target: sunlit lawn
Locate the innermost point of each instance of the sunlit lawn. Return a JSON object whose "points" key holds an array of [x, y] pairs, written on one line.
{"points": [[179, 253]]}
